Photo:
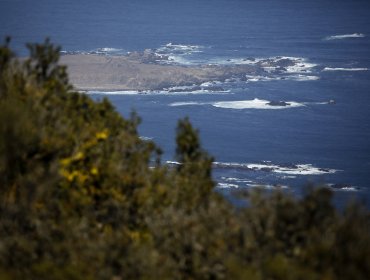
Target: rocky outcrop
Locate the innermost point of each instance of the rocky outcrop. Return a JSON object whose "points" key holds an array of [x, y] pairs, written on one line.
{"points": [[145, 71], [278, 103]]}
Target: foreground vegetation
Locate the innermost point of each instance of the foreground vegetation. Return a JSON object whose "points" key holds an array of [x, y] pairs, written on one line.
{"points": [[83, 197]]}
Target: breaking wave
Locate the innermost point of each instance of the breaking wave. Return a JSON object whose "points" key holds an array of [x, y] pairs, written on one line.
{"points": [[186, 55], [288, 169], [345, 36], [298, 78], [146, 138], [236, 180], [268, 186], [344, 69], [268, 175], [212, 87], [99, 51], [191, 103], [251, 104], [302, 78], [266, 166], [343, 187], [179, 53], [257, 104], [222, 185], [179, 48], [287, 64]]}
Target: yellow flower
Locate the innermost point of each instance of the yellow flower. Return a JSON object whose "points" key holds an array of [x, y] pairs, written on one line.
{"points": [[94, 171], [78, 156], [70, 177], [102, 135], [65, 161]]}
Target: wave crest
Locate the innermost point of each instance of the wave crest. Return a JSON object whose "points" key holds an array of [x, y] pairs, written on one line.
{"points": [[344, 69], [257, 104], [345, 36], [288, 169]]}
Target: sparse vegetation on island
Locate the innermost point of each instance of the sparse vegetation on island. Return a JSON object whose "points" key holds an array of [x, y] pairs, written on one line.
{"points": [[83, 197]]}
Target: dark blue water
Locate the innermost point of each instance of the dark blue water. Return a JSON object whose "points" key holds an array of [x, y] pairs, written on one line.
{"points": [[314, 142]]}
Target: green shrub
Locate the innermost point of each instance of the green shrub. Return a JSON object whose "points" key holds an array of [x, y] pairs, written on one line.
{"points": [[83, 197]]}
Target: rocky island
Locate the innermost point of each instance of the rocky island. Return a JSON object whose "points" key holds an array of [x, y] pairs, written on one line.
{"points": [[142, 71]]}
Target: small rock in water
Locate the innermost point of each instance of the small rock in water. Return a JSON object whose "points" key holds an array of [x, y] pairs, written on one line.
{"points": [[342, 186], [285, 62], [278, 103], [214, 88]]}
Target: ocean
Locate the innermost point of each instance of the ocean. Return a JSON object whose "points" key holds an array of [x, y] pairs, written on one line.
{"points": [[306, 123]]}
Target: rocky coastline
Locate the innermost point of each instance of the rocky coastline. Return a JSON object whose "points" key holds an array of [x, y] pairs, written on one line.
{"points": [[142, 71]]}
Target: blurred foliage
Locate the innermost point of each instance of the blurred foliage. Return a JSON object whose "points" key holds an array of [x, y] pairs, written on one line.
{"points": [[83, 197]]}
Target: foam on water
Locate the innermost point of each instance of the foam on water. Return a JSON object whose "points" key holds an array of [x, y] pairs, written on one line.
{"points": [[301, 78], [207, 87], [211, 83], [301, 67], [282, 68], [295, 64], [288, 64], [226, 185], [237, 180], [290, 169], [99, 51], [109, 49], [181, 48], [176, 104], [260, 78], [345, 36], [145, 138], [250, 184], [171, 162], [349, 189], [267, 186], [255, 104], [288, 177], [298, 78], [248, 104], [344, 69], [331, 101], [298, 169], [177, 59], [182, 55], [179, 53], [343, 187]]}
